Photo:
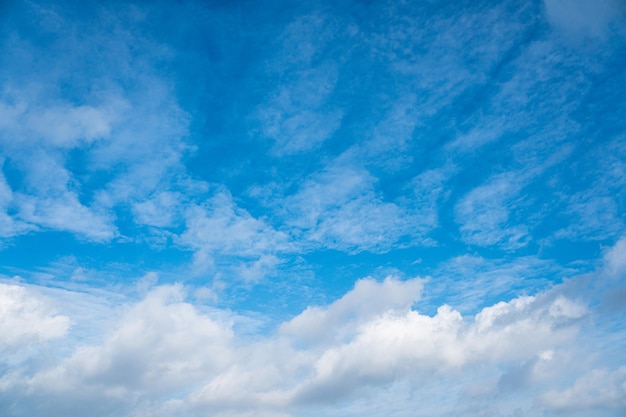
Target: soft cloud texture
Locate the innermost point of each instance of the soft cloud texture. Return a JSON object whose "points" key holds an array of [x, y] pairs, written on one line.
{"points": [[299, 115], [191, 194], [219, 227], [75, 160], [340, 208], [164, 347], [599, 391], [27, 319], [484, 214]]}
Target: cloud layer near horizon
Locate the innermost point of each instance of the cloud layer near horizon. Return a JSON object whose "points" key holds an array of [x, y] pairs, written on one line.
{"points": [[163, 355]]}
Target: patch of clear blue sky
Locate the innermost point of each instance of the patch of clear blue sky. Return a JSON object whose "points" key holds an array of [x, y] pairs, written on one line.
{"points": [[543, 113]]}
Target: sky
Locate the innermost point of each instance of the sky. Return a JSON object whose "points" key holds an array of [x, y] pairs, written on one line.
{"points": [[322, 208]]}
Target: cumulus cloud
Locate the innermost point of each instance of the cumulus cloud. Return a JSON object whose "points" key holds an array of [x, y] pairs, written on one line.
{"points": [[97, 144], [367, 300], [162, 345], [166, 355], [27, 318], [615, 259], [372, 337], [598, 391], [396, 345]]}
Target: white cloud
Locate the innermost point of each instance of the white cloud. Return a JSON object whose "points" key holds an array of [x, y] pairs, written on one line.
{"points": [[393, 345], [27, 318], [598, 390], [483, 214], [9, 226], [485, 130], [299, 115], [147, 282], [79, 157], [220, 228], [387, 144], [490, 279], [367, 300], [372, 338], [145, 150], [429, 191], [594, 217], [594, 211], [164, 355], [58, 124], [48, 198], [615, 259], [613, 283], [297, 118], [259, 268], [64, 212], [161, 345], [161, 210], [340, 209], [456, 51]]}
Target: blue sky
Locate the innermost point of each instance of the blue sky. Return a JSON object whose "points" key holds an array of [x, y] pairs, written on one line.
{"points": [[286, 209]]}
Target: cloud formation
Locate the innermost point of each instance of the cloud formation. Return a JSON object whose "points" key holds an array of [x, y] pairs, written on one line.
{"points": [[166, 355], [192, 193], [27, 319]]}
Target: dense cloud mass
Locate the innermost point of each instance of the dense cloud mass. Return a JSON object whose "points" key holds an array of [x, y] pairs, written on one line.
{"points": [[163, 346], [292, 210]]}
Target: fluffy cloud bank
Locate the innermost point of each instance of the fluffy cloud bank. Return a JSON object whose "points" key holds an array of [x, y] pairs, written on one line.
{"points": [[166, 355]]}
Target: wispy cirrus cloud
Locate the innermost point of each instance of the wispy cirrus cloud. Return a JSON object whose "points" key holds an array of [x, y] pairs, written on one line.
{"points": [[218, 228], [46, 196], [72, 160], [483, 215], [299, 115], [340, 208]]}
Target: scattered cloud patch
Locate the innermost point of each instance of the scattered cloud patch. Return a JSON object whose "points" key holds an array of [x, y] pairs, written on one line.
{"points": [[219, 227], [483, 214], [339, 208], [300, 115]]}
